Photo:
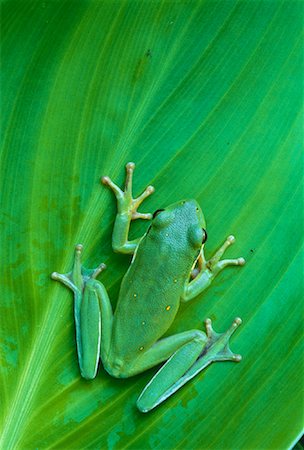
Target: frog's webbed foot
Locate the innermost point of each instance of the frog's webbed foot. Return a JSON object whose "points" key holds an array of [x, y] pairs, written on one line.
{"points": [[125, 202], [217, 347], [79, 275]]}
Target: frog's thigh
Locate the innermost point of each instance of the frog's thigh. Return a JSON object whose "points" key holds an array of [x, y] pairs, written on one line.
{"points": [[158, 353]]}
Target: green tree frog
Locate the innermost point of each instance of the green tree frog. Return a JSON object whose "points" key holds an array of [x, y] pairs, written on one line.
{"points": [[168, 267]]}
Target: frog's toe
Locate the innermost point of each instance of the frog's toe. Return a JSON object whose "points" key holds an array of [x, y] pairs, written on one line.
{"points": [[138, 215], [105, 180], [108, 182], [230, 239], [130, 166], [55, 275]]}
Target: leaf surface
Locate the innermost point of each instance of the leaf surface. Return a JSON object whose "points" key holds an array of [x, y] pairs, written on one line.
{"points": [[206, 98]]}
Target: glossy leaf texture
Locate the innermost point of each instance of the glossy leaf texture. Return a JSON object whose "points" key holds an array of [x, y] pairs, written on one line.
{"points": [[206, 98]]}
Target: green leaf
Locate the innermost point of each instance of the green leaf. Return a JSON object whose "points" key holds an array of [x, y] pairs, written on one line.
{"points": [[206, 97]]}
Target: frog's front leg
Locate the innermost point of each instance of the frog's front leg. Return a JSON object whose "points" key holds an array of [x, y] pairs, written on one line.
{"points": [[92, 313], [126, 211], [205, 271], [186, 362]]}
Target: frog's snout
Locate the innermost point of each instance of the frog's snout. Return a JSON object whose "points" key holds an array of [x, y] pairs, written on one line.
{"points": [[195, 208], [191, 204]]}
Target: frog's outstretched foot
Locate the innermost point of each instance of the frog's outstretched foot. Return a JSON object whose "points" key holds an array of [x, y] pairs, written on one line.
{"points": [[79, 275], [125, 202], [126, 212], [215, 264], [204, 272], [217, 347]]}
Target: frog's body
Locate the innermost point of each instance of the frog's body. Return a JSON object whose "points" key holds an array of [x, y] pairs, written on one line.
{"points": [[158, 279], [166, 252]]}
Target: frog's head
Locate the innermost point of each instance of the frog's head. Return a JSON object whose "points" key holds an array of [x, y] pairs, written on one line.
{"points": [[184, 217]]}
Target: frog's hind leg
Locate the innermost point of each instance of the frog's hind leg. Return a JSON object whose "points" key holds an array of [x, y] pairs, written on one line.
{"points": [[173, 374], [92, 313]]}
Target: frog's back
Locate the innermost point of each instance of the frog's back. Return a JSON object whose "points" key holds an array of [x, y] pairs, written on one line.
{"points": [[150, 292]]}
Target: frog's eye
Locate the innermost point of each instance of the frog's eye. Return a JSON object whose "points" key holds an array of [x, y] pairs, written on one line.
{"points": [[157, 212], [204, 236]]}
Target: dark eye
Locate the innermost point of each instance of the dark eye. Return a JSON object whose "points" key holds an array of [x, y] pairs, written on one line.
{"points": [[157, 212], [204, 236]]}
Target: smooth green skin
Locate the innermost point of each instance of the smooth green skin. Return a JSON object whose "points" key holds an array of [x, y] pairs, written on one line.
{"points": [[158, 279]]}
